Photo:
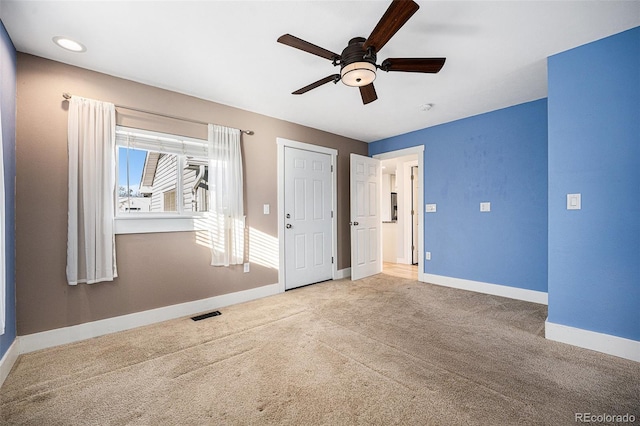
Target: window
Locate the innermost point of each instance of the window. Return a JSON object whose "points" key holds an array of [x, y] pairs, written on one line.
{"points": [[160, 176]]}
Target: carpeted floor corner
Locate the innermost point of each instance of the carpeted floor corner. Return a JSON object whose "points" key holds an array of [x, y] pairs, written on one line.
{"points": [[382, 350]]}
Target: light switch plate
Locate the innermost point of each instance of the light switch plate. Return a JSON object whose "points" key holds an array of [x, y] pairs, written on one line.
{"points": [[430, 208], [574, 202], [246, 267], [485, 207], [266, 208], [427, 255]]}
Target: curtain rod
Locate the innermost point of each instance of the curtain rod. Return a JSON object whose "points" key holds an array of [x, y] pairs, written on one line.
{"points": [[67, 96]]}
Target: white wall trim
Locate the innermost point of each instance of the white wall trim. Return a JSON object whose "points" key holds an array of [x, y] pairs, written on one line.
{"points": [[600, 342], [343, 273], [418, 149], [75, 333], [487, 288], [306, 146], [10, 357]]}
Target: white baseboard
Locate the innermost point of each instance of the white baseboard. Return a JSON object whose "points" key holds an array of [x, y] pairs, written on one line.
{"points": [[343, 273], [75, 333], [495, 289], [605, 343], [9, 358]]}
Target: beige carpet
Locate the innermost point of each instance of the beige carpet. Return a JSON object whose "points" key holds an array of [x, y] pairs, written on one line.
{"points": [[383, 350]]}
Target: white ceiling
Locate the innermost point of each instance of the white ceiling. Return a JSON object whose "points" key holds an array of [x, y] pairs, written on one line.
{"points": [[226, 52]]}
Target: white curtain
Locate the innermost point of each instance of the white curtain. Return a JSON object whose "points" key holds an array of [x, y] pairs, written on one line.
{"points": [[226, 198], [3, 240], [91, 254]]}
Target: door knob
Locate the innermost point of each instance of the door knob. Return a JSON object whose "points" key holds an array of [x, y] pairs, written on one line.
{"points": [[288, 226]]}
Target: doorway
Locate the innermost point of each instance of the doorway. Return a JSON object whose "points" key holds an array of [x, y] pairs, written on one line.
{"points": [[402, 239]]}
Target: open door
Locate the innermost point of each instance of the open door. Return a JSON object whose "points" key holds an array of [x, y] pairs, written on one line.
{"points": [[366, 226]]}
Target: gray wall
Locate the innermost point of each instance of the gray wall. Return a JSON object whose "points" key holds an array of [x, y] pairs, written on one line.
{"points": [[155, 270]]}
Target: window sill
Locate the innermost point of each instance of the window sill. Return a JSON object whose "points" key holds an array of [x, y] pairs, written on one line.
{"points": [[164, 223]]}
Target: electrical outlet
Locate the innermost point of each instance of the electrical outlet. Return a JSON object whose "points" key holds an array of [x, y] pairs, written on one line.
{"points": [[246, 267], [485, 207]]}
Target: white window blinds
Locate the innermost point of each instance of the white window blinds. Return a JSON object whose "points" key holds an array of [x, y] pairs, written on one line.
{"points": [[161, 142]]}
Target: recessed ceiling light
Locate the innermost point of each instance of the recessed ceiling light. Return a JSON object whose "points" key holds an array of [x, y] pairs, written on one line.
{"points": [[67, 43]]}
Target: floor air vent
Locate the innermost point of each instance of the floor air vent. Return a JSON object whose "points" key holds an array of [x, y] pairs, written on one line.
{"points": [[205, 316]]}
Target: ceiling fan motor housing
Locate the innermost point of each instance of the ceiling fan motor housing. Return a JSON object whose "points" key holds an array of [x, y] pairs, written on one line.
{"points": [[357, 66]]}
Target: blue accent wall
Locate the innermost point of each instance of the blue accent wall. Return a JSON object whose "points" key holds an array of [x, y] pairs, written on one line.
{"points": [[8, 106], [499, 157], [594, 150]]}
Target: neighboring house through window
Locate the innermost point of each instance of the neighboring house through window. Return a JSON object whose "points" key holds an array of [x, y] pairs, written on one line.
{"points": [[160, 176]]}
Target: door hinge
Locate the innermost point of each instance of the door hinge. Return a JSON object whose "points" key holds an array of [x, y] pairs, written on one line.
{"points": [[332, 168], [411, 177], [331, 213], [331, 259]]}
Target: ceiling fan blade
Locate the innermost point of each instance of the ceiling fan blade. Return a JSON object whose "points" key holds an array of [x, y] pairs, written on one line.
{"points": [[429, 65], [298, 43], [368, 93], [394, 18], [332, 78]]}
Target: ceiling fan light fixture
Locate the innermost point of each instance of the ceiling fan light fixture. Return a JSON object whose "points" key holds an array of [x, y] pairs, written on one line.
{"points": [[358, 74]]}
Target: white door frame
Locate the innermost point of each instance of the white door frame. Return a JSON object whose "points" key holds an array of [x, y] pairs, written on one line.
{"points": [[419, 151], [415, 189], [282, 143]]}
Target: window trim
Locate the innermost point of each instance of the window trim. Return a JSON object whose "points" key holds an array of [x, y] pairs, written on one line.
{"points": [[148, 222], [158, 223]]}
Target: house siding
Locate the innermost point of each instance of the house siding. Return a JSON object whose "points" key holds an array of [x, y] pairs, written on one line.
{"points": [[164, 180]]}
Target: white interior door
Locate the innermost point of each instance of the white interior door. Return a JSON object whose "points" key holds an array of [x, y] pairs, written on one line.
{"points": [[307, 217], [366, 234]]}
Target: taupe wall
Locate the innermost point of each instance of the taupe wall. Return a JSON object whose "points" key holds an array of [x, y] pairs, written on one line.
{"points": [[155, 270]]}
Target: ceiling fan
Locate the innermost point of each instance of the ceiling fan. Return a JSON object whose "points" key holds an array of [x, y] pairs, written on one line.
{"points": [[358, 60]]}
